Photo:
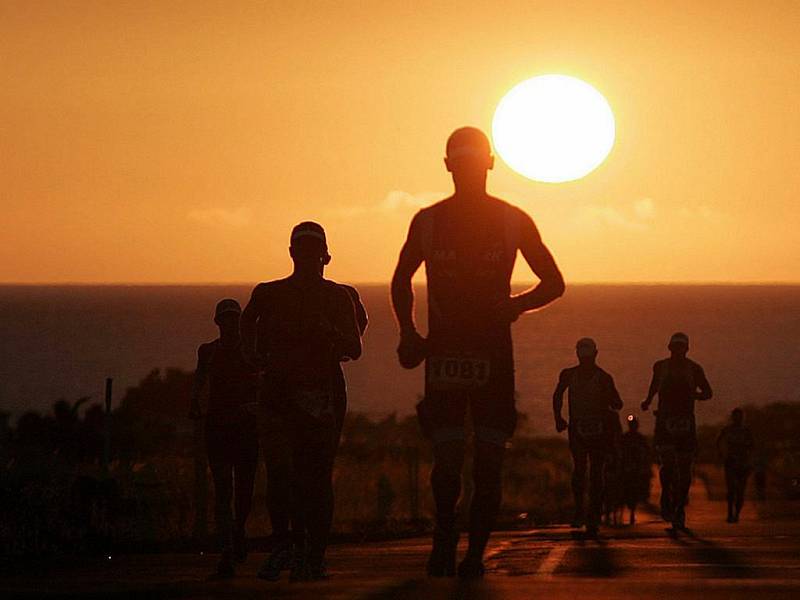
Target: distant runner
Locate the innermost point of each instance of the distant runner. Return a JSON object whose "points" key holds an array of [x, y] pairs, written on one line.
{"points": [[277, 453], [679, 382], [298, 329], [230, 432], [593, 400], [468, 243], [735, 445], [635, 467]]}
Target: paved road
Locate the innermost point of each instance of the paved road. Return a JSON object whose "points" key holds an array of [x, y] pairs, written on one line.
{"points": [[759, 557]]}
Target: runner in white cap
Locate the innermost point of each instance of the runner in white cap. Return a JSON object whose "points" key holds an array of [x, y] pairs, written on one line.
{"points": [[298, 329], [678, 382], [593, 398]]}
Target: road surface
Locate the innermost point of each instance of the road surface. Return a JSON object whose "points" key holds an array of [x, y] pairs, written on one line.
{"points": [[756, 558]]}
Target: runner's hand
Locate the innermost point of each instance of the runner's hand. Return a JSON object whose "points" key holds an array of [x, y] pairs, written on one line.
{"points": [[412, 349], [508, 310], [561, 424], [645, 405]]}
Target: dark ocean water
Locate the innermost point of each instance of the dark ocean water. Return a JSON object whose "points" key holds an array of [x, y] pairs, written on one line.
{"points": [[62, 341]]}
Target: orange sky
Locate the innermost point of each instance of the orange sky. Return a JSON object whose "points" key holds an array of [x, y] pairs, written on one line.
{"points": [[179, 142]]}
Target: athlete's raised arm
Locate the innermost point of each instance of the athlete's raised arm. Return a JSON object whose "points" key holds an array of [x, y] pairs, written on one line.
{"points": [[541, 262]]}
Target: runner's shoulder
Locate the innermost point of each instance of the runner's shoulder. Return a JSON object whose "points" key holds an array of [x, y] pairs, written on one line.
{"points": [[604, 375], [353, 292], [266, 289], [429, 212], [695, 366], [507, 208], [567, 374], [339, 291], [206, 351], [660, 365]]}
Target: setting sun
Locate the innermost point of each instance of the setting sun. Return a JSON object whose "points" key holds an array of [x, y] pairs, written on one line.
{"points": [[553, 128]]}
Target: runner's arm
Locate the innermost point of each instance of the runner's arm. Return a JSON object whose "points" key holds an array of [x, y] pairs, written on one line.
{"points": [[551, 282], [361, 313], [348, 342], [198, 383], [614, 399], [402, 289], [558, 399], [705, 392], [651, 393], [247, 327]]}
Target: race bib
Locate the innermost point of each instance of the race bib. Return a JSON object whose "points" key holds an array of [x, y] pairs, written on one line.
{"points": [[589, 427], [454, 373], [315, 402], [678, 425]]}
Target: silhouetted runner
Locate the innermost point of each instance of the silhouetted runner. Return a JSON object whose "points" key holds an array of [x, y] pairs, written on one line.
{"points": [[298, 329], [735, 446], [468, 243], [636, 467], [277, 453], [230, 431], [593, 400], [679, 382]]}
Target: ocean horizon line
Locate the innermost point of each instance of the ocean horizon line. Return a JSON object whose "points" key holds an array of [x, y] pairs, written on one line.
{"points": [[710, 283]]}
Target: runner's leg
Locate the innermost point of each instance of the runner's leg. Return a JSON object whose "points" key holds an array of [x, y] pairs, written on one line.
{"points": [[741, 487], [666, 474], [683, 482], [318, 485], [244, 478], [730, 484], [448, 460], [276, 448], [221, 467], [597, 460], [580, 458], [487, 475]]}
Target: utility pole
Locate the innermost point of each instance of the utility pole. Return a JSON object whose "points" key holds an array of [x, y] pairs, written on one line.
{"points": [[107, 427]]}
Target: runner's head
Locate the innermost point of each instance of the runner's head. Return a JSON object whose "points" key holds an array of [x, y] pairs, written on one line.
{"points": [[633, 423], [679, 344], [586, 349], [309, 246], [469, 157], [737, 416], [226, 316]]}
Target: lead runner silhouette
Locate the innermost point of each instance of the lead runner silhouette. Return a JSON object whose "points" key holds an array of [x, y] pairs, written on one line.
{"points": [[468, 243]]}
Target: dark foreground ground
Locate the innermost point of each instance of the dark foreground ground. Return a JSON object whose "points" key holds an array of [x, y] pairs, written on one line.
{"points": [[757, 558]]}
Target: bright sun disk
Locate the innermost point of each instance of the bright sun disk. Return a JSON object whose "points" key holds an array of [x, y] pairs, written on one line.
{"points": [[553, 128]]}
